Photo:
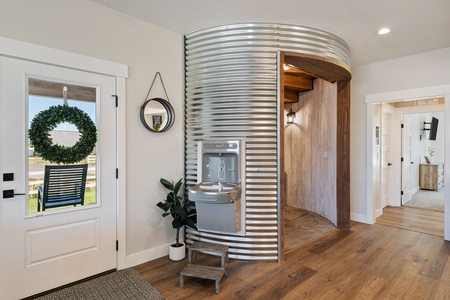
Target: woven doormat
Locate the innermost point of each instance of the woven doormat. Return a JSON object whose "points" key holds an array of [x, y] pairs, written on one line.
{"points": [[124, 284]]}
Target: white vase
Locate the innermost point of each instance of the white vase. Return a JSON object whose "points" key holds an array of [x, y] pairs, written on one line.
{"points": [[177, 253]]}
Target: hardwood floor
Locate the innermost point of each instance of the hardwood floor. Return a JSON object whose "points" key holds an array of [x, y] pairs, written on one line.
{"points": [[412, 218], [365, 262]]}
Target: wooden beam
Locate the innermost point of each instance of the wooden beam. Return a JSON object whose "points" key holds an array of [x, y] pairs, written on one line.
{"points": [[296, 72], [290, 96], [320, 67], [297, 83], [38, 87], [343, 155]]}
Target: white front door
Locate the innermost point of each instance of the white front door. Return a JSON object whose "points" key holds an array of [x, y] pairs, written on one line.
{"points": [[406, 159], [44, 250]]}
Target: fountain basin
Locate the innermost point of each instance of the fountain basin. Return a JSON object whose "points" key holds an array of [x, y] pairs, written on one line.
{"points": [[215, 192]]}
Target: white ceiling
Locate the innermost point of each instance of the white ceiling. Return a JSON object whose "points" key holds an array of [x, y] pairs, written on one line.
{"points": [[416, 25]]}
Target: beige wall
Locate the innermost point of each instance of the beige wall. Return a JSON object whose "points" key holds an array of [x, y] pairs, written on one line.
{"points": [[87, 28]]}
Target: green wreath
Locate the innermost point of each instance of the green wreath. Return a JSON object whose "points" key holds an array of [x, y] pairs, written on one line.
{"points": [[47, 120]]}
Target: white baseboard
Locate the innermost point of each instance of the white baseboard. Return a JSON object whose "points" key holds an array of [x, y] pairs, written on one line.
{"points": [[358, 218], [147, 255], [415, 190], [378, 212]]}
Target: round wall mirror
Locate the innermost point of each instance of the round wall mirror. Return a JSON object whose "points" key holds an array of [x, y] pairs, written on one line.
{"points": [[157, 115]]}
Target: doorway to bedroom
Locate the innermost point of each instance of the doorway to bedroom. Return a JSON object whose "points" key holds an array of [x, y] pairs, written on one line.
{"points": [[432, 101], [409, 153]]}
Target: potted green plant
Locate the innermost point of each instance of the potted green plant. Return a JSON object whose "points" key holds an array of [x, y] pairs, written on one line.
{"points": [[183, 213]]}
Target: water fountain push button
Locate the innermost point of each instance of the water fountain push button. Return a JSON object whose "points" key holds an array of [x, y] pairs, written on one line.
{"points": [[221, 168]]}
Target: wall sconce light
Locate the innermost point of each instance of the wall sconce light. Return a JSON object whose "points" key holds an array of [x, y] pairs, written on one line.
{"points": [[290, 116]]}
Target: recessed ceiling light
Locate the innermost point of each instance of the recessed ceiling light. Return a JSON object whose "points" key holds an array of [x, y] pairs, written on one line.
{"points": [[384, 31]]}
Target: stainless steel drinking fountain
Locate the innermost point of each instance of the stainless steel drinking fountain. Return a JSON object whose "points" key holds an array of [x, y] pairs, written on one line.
{"points": [[217, 196]]}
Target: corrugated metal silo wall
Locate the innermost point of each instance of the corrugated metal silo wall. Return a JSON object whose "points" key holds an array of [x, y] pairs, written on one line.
{"points": [[231, 92]]}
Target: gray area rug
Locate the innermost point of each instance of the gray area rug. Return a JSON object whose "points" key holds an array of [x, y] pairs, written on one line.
{"points": [[433, 200], [124, 284], [302, 226]]}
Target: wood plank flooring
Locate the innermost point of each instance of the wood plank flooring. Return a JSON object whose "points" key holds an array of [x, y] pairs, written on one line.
{"points": [[365, 262], [412, 218]]}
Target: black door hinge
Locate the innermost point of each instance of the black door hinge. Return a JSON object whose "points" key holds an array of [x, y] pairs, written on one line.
{"points": [[117, 245], [402, 158], [117, 100], [401, 193], [403, 126], [117, 173]]}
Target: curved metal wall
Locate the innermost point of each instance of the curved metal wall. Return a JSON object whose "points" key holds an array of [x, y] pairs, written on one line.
{"points": [[231, 92]]}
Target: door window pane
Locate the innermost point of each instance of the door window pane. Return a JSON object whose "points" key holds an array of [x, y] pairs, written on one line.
{"points": [[43, 95]]}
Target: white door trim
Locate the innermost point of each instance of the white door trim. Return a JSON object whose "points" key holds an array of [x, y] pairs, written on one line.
{"points": [[398, 121], [35, 53], [27, 51], [419, 93]]}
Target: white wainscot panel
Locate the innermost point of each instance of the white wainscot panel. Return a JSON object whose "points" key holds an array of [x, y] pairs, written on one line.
{"points": [[52, 243]]}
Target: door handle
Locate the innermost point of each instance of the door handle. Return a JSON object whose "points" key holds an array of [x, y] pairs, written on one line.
{"points": [[389, 164], [11, 194]]}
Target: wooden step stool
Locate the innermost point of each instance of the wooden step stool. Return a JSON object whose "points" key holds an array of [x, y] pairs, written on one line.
{"points": [[206, 272], [201, 271]]}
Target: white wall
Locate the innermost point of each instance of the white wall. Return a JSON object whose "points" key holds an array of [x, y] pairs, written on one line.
{"points": [[421, 146], [406, 73], [87, 28], [439, 143]]}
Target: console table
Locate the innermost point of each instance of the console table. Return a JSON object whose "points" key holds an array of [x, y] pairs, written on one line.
{"points": [[431, 176]]}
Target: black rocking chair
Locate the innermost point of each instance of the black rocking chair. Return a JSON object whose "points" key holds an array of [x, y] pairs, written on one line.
{"points": [[63, 186]]}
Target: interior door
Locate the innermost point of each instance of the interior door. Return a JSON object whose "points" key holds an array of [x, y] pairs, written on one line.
{"points": [[386, 162], [406, 159], [44, 250]]}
